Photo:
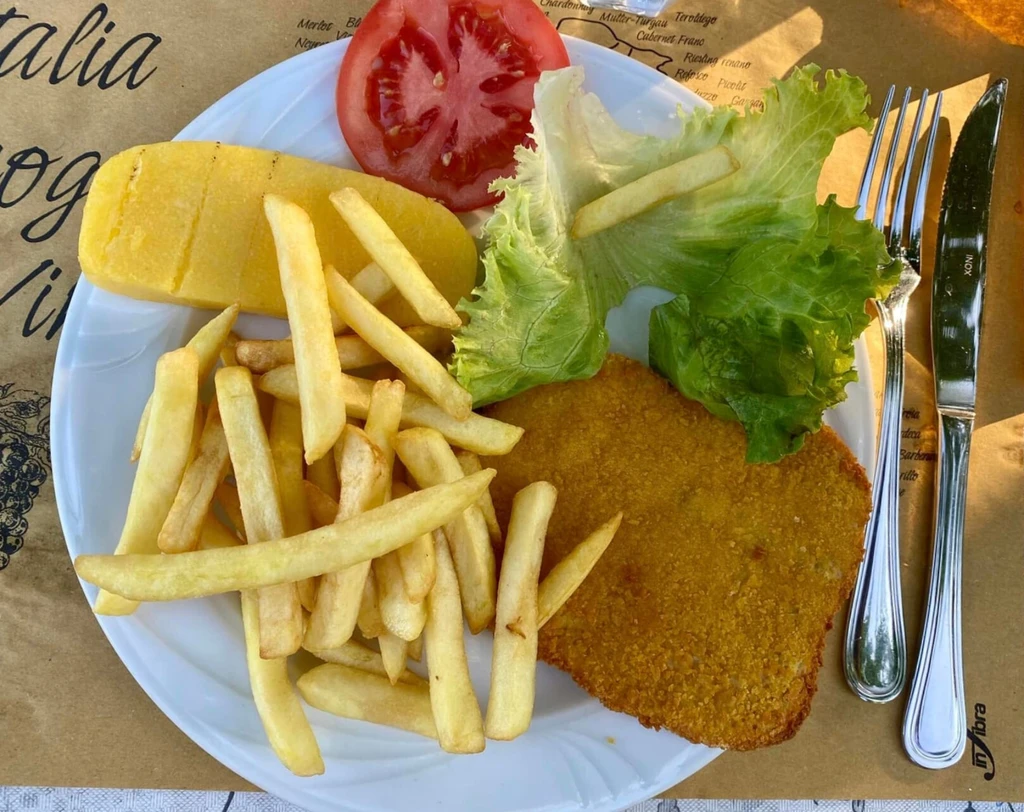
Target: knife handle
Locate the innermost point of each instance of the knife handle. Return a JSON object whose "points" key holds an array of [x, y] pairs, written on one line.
{"points": [[875, 656], [935, 725]]}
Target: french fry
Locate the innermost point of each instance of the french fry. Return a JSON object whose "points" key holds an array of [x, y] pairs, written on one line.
{"points": [[373, 284], [140, 432], [419, 567], [371, 624], [514, 659], [215, 534], [652, 190], [470, 464], [207, 343], [356, 694], [400, 614], [309, 318], [394, 259], [416, 559], [266, 410], [286, 725], [382, 421], [228, 357], [197, 430], [280, 614], [324, 473], [394, 651], [280, 710], [396, 346], [566, 576], [353, 351], [227, 497], [262, 356], [362, 470], [157, 577], [403, 618], [356, 655], [259, 356], [416, 649], [322, 509], [410, 385], [165, 452], [184, 522], [482, 435], [286, 450], [350, 597], [430, 460], [460, 725]]}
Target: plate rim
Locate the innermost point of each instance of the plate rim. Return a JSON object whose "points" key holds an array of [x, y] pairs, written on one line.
{"points": [[196, 728]]}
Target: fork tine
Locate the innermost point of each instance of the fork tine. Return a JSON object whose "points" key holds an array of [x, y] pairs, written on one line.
{"points": [[876, 145], [917, 213], [900, 206], [890, 162]]}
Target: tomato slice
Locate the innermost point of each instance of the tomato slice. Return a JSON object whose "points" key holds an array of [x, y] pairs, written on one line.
{"points": [[436, 94]]}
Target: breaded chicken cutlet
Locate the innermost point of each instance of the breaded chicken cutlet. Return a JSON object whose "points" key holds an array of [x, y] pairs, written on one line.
{"points": [[707, 614]]}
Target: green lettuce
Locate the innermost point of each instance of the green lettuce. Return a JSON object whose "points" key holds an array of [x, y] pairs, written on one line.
{"points": [[762, 272], [769, 341]]}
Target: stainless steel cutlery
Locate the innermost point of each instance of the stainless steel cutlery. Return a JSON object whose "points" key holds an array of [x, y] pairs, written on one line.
{"points": [[935, 727], [875, 656]]}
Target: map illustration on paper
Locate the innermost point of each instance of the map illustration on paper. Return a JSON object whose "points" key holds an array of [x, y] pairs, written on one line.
{"points": [[603, 34], [24, 462]]}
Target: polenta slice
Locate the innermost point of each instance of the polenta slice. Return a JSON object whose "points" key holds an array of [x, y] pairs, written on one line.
{"points": [[183, 222]]}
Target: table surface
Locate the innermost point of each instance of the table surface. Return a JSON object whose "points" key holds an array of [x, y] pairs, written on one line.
{"points": [[65, 799]]}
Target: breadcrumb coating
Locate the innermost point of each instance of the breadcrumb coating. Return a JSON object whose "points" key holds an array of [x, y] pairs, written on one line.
{"points": [[708, 612]]}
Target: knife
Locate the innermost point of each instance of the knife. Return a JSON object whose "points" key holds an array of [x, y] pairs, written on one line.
{"points": [[935, 725]]}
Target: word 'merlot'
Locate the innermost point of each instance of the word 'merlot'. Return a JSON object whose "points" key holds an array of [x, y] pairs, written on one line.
{"points": [[87, 53]]}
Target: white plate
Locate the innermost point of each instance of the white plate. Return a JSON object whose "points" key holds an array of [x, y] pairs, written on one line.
{"points": [[189, 656]]}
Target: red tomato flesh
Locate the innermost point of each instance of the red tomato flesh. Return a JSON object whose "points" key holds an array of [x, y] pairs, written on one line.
{"points": [[436, 94]]}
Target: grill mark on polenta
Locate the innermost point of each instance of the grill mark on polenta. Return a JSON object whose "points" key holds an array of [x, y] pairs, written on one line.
{"points": [[257, 220], [186, 255], [127, 196]]}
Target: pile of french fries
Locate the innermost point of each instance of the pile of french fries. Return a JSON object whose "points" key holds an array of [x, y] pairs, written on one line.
{"points": [[344, 509]]}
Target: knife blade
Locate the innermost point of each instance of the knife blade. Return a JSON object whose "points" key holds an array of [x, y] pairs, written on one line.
{"points": [[935, 724], [958, 288]]}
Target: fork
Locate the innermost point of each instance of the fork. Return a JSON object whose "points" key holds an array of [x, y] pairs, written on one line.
{"points": [[875, 656]]}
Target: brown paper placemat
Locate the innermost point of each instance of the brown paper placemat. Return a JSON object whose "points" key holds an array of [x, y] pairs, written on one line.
{"points": [[80, 81]]}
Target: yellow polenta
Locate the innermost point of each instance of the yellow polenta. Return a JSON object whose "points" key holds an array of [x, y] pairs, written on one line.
{"points": [[183, 222]]}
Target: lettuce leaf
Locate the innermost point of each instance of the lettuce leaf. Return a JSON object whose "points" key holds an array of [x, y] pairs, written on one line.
{"points": [[769, 342], [539, 315]]}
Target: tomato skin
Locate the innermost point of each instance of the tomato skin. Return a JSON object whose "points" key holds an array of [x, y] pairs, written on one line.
{"points": [[436, 94]]}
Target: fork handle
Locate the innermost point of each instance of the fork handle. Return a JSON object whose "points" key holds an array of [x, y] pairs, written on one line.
{"points": [[935, 726], [875, 656]]}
